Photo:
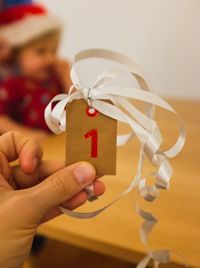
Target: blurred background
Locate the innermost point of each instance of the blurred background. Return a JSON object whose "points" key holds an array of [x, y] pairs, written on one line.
{"points": [[162, 36]]}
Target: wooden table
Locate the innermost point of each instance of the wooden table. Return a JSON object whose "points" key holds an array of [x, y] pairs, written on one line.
{"points": [[116, 231]]}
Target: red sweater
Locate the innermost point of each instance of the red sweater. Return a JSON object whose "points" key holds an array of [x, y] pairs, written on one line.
{"points": [[25, 100]]}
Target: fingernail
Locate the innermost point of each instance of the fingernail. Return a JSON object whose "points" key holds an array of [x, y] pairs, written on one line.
{"points": [[35, 162], [83, 173]]}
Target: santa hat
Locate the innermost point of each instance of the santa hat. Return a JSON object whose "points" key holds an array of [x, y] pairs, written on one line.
{"points": [[22, 21]]}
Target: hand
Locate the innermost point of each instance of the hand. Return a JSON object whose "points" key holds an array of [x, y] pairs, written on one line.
{"points": [[62, 69], [4, 50], [31, 192]]}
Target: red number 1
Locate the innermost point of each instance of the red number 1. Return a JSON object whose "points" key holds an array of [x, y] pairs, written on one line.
{"points": [[94, 136]]}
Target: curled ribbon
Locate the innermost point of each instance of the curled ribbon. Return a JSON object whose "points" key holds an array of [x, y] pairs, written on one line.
{"points": [[142, 126]]}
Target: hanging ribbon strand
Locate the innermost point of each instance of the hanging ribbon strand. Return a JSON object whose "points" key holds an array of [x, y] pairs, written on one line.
{"points": [[143, 126]]}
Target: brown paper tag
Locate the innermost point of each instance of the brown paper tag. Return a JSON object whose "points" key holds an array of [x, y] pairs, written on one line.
{"points": [[90, 138]]}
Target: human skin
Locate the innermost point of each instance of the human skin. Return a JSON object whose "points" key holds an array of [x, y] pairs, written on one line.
{"points": [[31, 192], [37, 60], [5, 50]]}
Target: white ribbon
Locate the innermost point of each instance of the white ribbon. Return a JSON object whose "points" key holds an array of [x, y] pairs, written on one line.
{"points": [[142, 126]]}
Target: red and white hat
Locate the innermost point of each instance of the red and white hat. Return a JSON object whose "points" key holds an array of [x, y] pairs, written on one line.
{"points": [[24, 21]]}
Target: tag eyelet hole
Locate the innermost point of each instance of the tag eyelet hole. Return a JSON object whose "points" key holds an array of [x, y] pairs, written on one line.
{"points": [[91, 111]]}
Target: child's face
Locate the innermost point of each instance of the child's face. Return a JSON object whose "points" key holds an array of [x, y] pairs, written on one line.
{"points": [[36, 60]]}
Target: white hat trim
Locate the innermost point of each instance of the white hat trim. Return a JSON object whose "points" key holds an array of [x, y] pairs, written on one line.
{"points": [[29, 28]]}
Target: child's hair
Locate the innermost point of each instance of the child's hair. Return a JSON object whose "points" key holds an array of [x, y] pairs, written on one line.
{"points": [[16, 50], [44, 36], [15, 53]]}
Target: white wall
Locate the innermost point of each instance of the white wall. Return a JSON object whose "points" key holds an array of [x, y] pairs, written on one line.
{"points": [[163, 36]]}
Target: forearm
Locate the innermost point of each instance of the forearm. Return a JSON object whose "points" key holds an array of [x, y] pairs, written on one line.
{"points": [[62, 70], [66, 83], [7, 124]]}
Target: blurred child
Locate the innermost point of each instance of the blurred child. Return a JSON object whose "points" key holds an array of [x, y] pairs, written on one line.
{"points": [[38, 74]]}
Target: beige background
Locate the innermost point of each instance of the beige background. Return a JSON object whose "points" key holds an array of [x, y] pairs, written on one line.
{"points": [[161, 35]]}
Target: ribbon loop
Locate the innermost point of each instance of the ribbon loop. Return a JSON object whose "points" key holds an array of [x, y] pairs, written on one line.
{"points": [[142, 125]]}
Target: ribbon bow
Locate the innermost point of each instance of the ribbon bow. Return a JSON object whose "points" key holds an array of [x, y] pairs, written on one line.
{"points": [[142, 126]]}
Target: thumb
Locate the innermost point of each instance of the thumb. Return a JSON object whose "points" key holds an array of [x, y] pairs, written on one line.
{"points": [[61, 186]]}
